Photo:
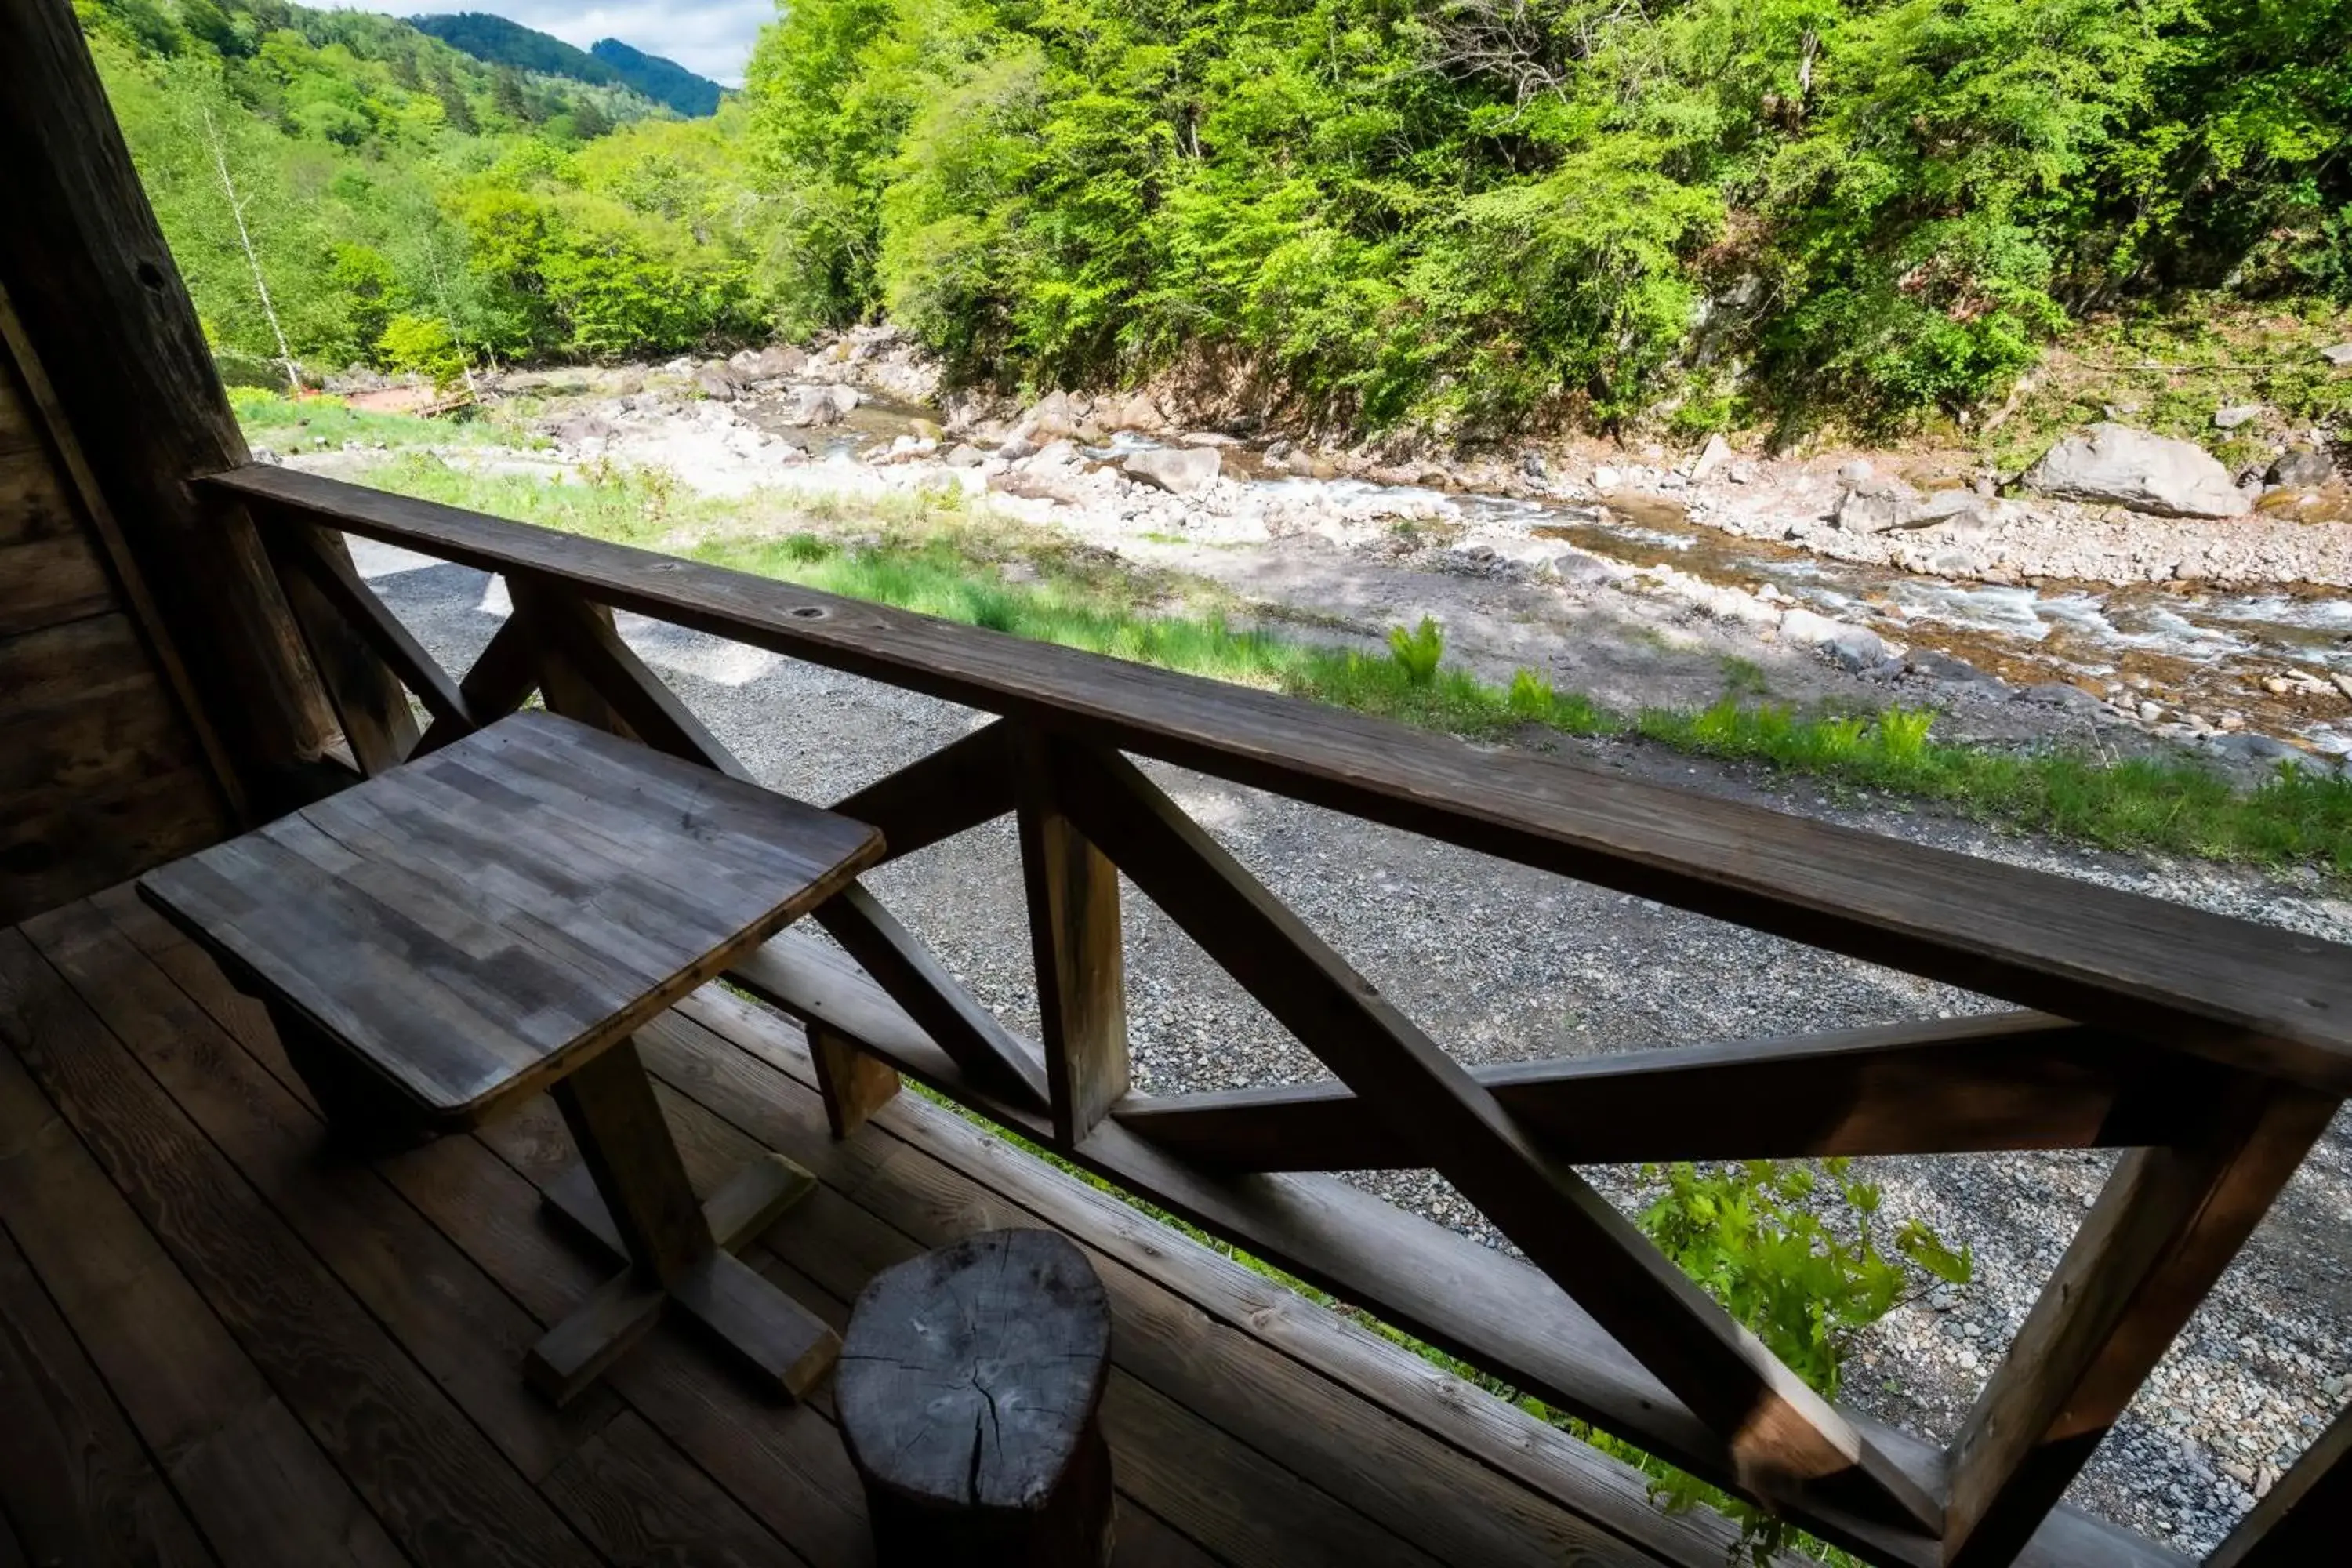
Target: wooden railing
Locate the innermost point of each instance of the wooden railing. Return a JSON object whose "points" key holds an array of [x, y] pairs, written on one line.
{"points": [[2212, 1050]]}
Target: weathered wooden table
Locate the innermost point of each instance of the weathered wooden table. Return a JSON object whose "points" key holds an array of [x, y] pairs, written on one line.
{"points": [[444, 941]]}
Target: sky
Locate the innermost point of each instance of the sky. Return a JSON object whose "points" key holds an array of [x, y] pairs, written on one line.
{"points": [[711, 36]]}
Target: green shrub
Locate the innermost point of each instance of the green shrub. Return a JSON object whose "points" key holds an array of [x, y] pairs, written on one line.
{"points": [[422, 345], [1418, 651], [1531, 697]]}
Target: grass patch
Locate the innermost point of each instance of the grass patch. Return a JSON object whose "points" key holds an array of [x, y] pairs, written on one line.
{"points": [[931, 551], [286, 425]]}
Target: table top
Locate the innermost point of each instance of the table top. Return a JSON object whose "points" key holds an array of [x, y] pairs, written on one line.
{"points": [[474, 923]]}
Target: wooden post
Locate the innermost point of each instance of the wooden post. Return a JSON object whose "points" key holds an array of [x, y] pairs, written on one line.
{"points": [[854, 1085], [103, 309], [2308, 1517], [1074, 935]]}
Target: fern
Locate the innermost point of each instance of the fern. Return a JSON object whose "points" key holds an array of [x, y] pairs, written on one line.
{"points": [[1418, 651]]}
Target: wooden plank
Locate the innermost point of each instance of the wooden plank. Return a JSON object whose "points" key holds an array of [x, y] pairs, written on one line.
{"points": [[1077, 948], [638, 1500], [33, 500], [462, 1002], [916, 981], [370, 706], [74, 1478], [1782, 1433], [326, 561], [504, 674], [253, 1480], [102, 310], [2016, 1081], [59, 846], [49, 582], [652, 711], [40, 406], [1444, 1501], [855, 1085], [1468, 1299], [445, 1311], [2175, 976], [2167, 1224], [438, 1485], [788, 1469], [2306, 1518], [609, 1106], [962, 784]]}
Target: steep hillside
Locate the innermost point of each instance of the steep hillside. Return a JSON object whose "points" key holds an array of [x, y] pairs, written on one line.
{"points": [[663, 80], [610, 62]]}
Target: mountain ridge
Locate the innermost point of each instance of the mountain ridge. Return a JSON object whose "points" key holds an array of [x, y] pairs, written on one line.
{"points": [[609, 62]]}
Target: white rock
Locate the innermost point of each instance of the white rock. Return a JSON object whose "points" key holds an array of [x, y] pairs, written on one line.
{"points": [[1606, 479], [1182, 470], [2235, 415], [2337, 353], [1711, 457], [2151, 473]]}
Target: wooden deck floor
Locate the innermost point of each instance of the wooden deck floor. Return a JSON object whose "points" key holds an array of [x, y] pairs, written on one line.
{"points": [[218, 1345]]}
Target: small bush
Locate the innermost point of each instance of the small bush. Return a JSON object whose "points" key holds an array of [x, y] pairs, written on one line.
{"points": [[1531, 697], [422, 345], [1417, 651]]}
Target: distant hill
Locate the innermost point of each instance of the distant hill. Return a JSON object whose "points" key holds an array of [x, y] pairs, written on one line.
{"points": [[663, 80], [611, 63]]}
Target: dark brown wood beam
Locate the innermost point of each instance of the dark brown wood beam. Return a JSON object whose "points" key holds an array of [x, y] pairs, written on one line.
{"points": [[584, 636], [326, 561], [102, 306], [2167, 1223], [503, 677], [2012, 1080], [1076, 946], [959, 787], [1784, 1435], [2232, 990], [370, 706]]}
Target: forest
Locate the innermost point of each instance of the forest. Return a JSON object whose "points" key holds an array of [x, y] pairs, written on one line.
{"points": [[1470, 215]]}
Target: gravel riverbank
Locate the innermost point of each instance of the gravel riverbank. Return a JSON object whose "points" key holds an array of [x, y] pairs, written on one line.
{"points": [[1499, 964]]}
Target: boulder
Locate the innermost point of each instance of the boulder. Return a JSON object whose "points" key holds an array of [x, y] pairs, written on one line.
{"points": [[1021, 442], [717, 381], [1053, 455], [777, 361], [2146, 472], [2302, 469], [1872, 504], [2235, 415], [1605, 477], [2337, 353], [1057, 416], [1963, 514], [844, 398], [1856, 649], [1128, 411], [1711, 457], [815, 407], [964, 455], [744, 362], [1179, 470]]}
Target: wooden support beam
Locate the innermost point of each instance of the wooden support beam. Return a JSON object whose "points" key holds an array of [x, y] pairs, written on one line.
{"points": [[103, 307], [853, 1084], [368, 700], [2167, 1223], [1075, 944], [962, 784], [502, 677], [325, 559], [583, 635], [916, 981], [2009, 1080], [1785, 1436], [2306, 1518]]}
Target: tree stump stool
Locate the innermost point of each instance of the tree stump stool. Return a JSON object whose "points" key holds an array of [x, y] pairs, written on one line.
{"points": [[969, 1389]]}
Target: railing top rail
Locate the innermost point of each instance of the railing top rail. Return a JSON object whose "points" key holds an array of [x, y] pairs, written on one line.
{"points": [[2254, 995]]}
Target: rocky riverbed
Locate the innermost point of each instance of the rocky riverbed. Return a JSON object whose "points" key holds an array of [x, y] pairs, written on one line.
{"points": [[1637, 575]]}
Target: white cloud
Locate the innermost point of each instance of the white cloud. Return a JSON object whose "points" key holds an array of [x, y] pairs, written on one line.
{"points": [[713, 37]]}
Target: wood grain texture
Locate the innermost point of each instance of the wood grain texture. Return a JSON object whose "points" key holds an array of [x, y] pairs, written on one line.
{"points": [[103, 307], [372, 709], [2021, 1081], [1077, 949], [1440, 1286], [2174, 975], [326, 561], [584, 638], [469, 955], [254, 1480], [854, 1084], [439, 1486], [2165, 1226], [1781, 1433], [959, 787]]}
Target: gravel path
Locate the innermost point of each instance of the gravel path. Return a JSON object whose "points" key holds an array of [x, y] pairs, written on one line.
{"points": [[1500, 962]]}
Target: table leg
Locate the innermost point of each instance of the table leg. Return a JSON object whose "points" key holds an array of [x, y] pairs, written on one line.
{"points": [[630, 1193], [365, 1117]]}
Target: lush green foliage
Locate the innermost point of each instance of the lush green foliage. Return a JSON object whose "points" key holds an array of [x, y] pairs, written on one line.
{"points": [[390, 200], [1484, 210], [607, 62]]}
